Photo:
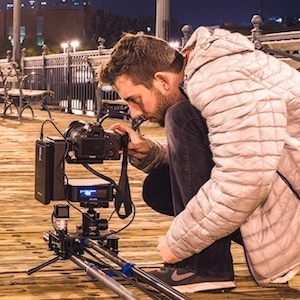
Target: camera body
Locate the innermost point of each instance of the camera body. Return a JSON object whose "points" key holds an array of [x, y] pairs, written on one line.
{"points": [[89, 143], [82, 143]]}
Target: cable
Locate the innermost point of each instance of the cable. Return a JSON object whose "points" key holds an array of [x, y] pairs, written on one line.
{"points": [[42, 129], [93, 171], [124, 227]]}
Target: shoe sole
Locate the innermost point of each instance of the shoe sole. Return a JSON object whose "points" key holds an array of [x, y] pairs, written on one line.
{"points": [[212, 287]]}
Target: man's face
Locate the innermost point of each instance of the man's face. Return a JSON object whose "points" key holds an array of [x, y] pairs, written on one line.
{"points": [[143, 102]]}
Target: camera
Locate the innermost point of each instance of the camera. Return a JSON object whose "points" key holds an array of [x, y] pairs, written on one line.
{"points": [[81, 143], [89, 143]]}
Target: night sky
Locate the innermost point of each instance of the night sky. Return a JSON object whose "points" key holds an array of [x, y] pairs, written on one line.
{"points": [[205, 12]]}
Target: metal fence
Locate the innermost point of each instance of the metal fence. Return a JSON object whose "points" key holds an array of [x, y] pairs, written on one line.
{"points": [[71, 78]]}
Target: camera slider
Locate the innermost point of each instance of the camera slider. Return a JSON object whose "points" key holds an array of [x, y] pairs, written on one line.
{"points": [[93, 238]]}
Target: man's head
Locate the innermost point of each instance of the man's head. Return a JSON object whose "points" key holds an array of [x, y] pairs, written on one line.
{"points": [[146, 72]]}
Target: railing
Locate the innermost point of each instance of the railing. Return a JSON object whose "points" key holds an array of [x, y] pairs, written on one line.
{"points": [[71, 77], [284, 45]]}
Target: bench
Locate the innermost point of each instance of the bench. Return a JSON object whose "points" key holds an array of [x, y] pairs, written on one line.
{"points": [[22, 91], [108, 101]]}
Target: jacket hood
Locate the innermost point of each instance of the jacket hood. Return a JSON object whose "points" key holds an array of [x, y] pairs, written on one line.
{"points": [[219, 42]]}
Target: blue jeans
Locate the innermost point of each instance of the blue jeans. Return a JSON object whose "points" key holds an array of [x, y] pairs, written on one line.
{"points": [[169, 188]]}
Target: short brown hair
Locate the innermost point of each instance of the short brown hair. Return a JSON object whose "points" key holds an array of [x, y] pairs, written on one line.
{"points": [[139, 57]]}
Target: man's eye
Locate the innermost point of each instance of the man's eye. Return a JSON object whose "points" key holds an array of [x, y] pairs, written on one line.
{"points": [[135, 101]]}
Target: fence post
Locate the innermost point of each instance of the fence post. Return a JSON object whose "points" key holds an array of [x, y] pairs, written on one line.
{"points": [[256, 31], [98, 90], [22, 61], [186, 31], [44, 53], [69, 78], [8, 55], [101, 42]]}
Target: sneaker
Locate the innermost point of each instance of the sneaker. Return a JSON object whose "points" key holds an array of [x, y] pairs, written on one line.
{"points": [[186, 281]]}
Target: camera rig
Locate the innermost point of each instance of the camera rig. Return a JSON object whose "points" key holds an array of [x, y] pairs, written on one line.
{"points": [[88, 143]]}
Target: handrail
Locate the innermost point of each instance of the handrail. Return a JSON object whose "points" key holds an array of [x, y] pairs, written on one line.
{"points": [[71, 76]]}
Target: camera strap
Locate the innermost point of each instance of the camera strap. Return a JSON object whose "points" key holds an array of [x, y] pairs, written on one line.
{"points": [[123, 195]]}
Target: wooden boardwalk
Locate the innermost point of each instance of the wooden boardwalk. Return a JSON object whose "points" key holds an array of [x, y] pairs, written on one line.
{"points": [[24, 221]]}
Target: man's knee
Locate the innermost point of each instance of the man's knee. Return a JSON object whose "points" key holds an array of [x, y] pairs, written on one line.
{"points": [[157, 191]]}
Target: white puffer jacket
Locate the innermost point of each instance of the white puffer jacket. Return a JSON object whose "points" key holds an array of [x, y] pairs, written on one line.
{"points": [[251, 103]]}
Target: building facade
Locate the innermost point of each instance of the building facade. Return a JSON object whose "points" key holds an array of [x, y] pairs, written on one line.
{"points": [[47, 22]]}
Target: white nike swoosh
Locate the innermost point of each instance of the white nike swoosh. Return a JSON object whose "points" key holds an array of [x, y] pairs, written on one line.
{"points": [[177, 277]]}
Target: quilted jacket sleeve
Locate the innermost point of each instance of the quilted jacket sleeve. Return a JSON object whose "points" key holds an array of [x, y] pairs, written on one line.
{"points": [[158, 155], [246, 117]]}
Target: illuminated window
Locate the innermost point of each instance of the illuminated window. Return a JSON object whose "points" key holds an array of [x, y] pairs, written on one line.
{"points": [[22, 33], [40, 30], [11, 32]]}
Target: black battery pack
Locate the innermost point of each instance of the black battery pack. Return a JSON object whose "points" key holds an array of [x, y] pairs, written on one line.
{"points": [[49, 169]]}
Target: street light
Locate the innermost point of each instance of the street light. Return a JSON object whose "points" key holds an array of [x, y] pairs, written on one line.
{"points": [[64, 46], [174, 44], [74, 45]]}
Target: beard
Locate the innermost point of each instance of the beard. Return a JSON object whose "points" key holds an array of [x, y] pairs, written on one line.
{"points": [[163, 103]]}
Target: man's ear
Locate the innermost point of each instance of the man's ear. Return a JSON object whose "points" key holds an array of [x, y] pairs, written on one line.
{"points": [[161, 81]]}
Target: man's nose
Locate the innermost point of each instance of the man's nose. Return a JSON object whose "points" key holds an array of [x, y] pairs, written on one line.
{"points": [[135, 112]]}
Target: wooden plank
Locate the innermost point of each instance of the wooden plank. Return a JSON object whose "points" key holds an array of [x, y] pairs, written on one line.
{"points": [[24, 221]]}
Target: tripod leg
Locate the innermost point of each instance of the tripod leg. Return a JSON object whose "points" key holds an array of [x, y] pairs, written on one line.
{"points": [[29, 272]]}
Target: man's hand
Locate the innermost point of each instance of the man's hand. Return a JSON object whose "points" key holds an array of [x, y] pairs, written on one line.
{"points": [[137, 146], [165, 252]]}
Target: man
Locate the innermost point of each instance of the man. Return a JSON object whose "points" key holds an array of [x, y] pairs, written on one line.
{"points": [[232, 121]]}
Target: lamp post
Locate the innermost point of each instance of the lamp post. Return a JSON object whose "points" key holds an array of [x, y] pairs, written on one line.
{"points": [[16, 30], [162, 19]]}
